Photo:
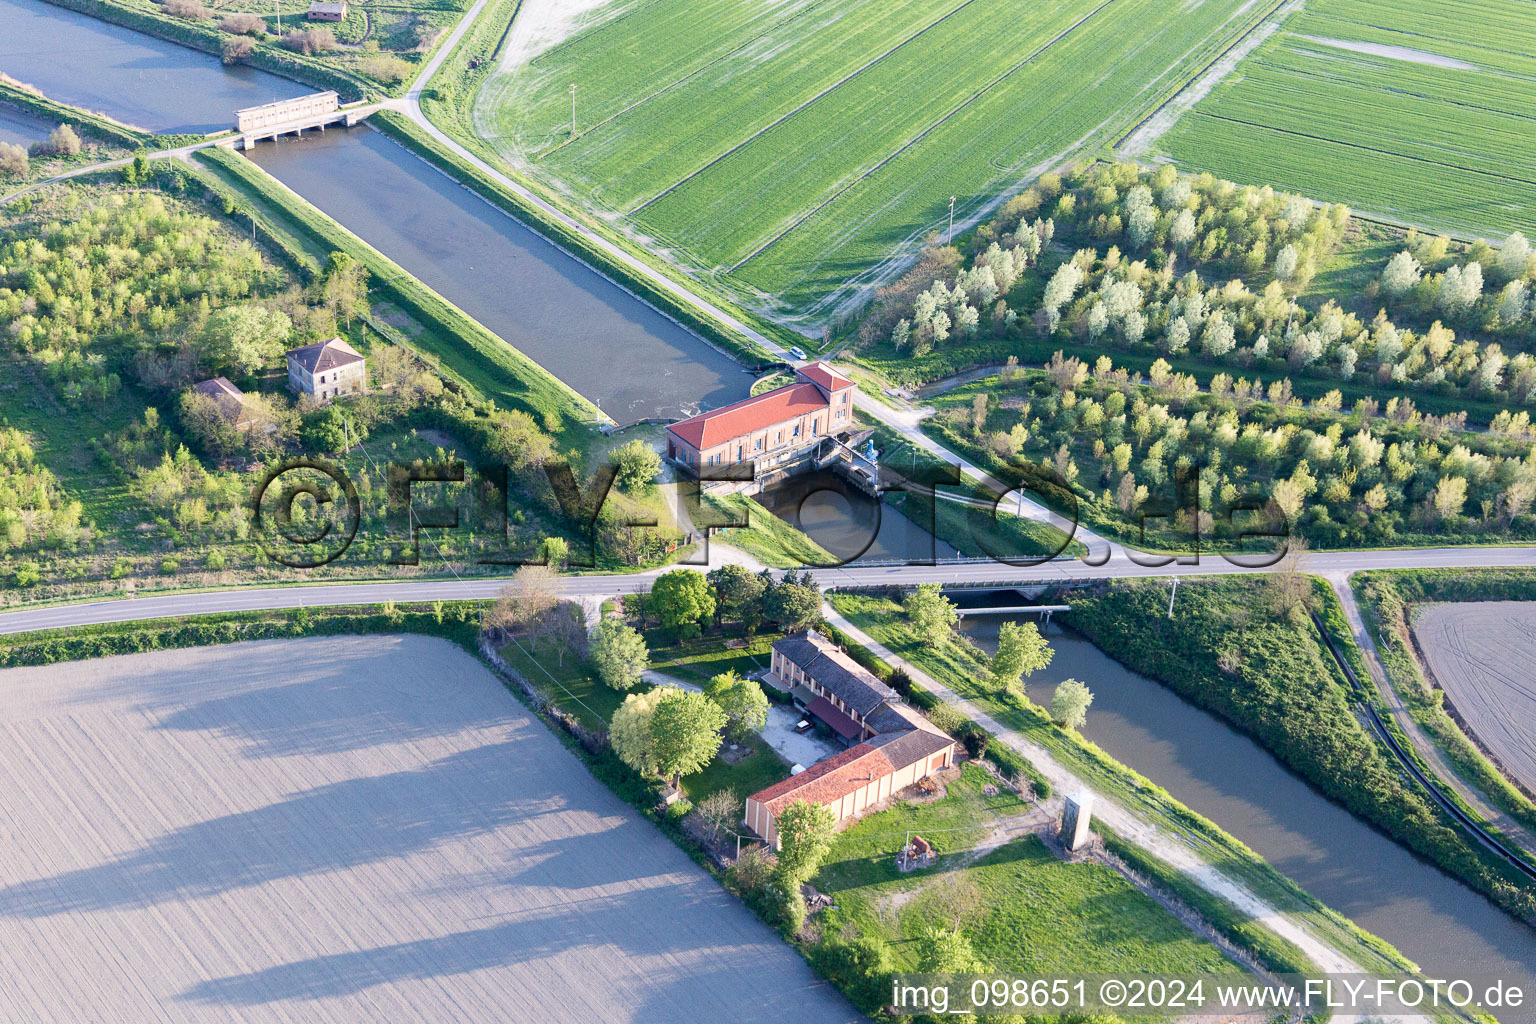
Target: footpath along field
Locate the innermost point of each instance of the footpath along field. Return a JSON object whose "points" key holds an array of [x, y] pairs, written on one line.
{"points": [[793, 149], [1418, 110]]}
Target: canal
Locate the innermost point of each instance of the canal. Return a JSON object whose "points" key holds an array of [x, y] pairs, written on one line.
{"points": [[140, 80], [1211, 767], [850, 524], [598, 338], [617, 350]]}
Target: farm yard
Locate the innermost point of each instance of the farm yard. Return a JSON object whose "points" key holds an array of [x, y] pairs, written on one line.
{"points": [[344, 829], [1480, 654], [1415, 111], [791, 150]]}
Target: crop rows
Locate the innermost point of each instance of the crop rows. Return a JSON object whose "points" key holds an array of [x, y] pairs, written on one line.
{"points": [[740, 202], [1449, 147], [686, 121], [1042, 112], [798, 148]]}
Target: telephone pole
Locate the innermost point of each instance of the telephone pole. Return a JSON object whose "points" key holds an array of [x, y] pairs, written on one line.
{"points": [[573, 108], [279, 12], [951, 237]]}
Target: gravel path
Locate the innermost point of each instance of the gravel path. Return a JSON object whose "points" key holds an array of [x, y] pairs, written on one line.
{"points": [[345, 829], [1170, 848]]}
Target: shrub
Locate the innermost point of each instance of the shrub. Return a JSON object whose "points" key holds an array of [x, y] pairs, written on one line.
{"points": [[13, 160], [169, 565], [216, 560], [62, 141], [236, 49], [187, 9], [975, 739], [947, 719], [28, 574], [307, 41], [860, 967], [386, 68], [679, 809], [243, 24], [120, 568]]}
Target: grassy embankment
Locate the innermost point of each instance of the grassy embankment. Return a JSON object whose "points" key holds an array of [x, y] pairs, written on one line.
{"points": [[1388, 600], [963, 670], [695, 318], [766, 537]]}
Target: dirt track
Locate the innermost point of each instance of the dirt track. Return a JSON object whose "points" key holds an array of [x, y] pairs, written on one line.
{"points": [[1481, 654], [344, 829]]}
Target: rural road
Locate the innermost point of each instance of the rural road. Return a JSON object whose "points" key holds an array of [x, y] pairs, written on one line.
{"points": [[1121, 565]]}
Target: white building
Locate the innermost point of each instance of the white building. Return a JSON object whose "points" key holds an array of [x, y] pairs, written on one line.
{"points": [[327, 369]]}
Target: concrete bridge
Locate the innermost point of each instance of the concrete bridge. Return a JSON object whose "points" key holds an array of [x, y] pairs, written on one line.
{"points": [[293, 116]]}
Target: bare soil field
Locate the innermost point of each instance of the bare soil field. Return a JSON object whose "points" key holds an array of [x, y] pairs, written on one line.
{"points": [[1481, 653], [344, 829]]}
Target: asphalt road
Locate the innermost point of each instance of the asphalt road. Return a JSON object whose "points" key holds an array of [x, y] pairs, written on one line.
{"points": [[1120, 565]]}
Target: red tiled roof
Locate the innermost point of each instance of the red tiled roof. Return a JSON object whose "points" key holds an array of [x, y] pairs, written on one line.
{"points": [[728, 422], [828, 780], [823, 374], [845, 726]]}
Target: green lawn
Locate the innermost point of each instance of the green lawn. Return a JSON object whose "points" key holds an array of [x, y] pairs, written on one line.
{"points": [[698, 660], [766, 537], [1431, 125], [786, 151], [1037, 912], [576, 689]]}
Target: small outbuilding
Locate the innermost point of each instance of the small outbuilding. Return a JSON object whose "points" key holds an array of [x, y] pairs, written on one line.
{"points": [[228, 399], [327, 369], [327, 10]]}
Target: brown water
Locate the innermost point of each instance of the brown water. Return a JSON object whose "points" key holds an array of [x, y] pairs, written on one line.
{"points": [[850, 524], [143, 81], [1446, 928], [583, 328]]}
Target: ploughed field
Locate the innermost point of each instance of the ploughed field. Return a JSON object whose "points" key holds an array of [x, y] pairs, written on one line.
{"points": [[1419, 110], [345, 829], [792, 148], [1481, 654]]}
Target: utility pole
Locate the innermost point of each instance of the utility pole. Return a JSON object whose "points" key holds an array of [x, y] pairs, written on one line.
{"points": [[1171, 594], [951, 237], [573, 108], [279, 12]]}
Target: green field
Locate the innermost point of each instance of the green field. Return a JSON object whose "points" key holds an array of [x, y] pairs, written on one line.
{"points": [[1414, 110], [1032, 910], [790, 150]]}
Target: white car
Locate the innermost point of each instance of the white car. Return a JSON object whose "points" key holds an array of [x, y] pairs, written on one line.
{"points": [[798, 353]]}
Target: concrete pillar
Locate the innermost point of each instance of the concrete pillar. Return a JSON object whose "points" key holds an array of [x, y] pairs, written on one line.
{"points": [[1075, 817]]}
